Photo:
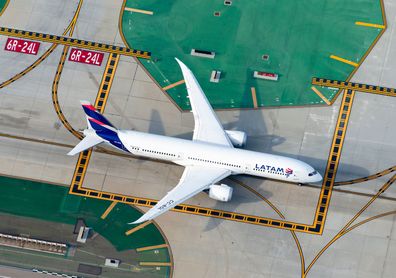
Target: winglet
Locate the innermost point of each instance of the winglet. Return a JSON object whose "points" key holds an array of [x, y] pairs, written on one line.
{"points": [[180, 62], [182, 66]]}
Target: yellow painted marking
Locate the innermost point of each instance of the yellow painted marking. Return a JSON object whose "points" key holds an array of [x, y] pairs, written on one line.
{"points": [[173, 85], [347, 228], [55, 83], [4, 7], [321, 95], [139, 11], [366, 24], [371, 177], [137, 228], [107, 80], [74, 42], [152, 247], [55, 101], [254, 97], [31, 67], [108, 210], [364, 88], [334, 157], [344, 60], [154, 264]]}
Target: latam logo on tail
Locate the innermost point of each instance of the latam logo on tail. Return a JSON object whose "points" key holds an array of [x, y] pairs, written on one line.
{"points": [[277, 170]]}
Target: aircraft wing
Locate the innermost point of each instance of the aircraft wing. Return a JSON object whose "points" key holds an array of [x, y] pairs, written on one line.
{"points": [[207, 126], [194, 180]]}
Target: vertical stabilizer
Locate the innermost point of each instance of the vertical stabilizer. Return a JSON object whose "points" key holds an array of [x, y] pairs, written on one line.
{"points": [[99, 130]]}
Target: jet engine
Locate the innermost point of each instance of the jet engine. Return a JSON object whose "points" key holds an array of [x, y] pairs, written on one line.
{"points": [[238, 138], [220, 192]]}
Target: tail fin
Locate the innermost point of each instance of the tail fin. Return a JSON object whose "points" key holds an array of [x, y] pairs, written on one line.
{"points": [[98, 128], [95, 120]]}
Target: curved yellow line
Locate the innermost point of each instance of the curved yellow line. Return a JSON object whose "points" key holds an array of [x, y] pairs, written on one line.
{"points": [[45, 54], [55, 100], [300, 252], [368, 220], [29, 68], [371, 177], [5, 7], [347, 227], [58, 74], [259, 195], [120, 23], [296, 240]]}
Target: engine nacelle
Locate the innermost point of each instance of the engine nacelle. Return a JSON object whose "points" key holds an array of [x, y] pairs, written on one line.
{"points": [[220, 192], [238, 138]]}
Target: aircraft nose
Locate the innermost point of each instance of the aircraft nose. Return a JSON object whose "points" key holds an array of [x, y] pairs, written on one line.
{"points": [[317, 178]]}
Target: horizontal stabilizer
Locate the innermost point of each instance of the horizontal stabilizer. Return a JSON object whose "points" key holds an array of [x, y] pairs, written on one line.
{"points": [[88, 142]]}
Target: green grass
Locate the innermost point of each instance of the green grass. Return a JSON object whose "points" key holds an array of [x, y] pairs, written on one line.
{"points": [[53, 203], [159, 255], [299, 37]]}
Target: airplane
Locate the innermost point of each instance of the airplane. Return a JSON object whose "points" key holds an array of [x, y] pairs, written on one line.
{"points": [[212, 155]]}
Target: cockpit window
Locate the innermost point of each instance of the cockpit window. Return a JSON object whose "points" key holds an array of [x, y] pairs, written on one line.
{"points": [[313, 173]]}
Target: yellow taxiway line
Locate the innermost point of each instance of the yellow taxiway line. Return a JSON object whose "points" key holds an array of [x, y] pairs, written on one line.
{"points": [[155, 264], [173, 85], [321, 95], [344, 60], [254, 97], [50, 38], [334, 159], [366, 24], [108, 210], [371, 177], [364, 88], [4, 7], [69, 28], [139, 11], [137, 228], [153, 247]]}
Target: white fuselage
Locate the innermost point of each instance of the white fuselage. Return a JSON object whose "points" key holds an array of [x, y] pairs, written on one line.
{"points": [[239, 161]]}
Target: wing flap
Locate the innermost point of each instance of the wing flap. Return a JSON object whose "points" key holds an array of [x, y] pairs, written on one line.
{"points": [[194, 180]]}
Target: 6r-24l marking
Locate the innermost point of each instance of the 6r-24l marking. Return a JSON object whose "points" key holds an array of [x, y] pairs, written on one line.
{"points": [[86, 56]]}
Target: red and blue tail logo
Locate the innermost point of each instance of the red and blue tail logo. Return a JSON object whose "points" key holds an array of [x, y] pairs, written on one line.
{"points": [[96, 120], [103, 128]]}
